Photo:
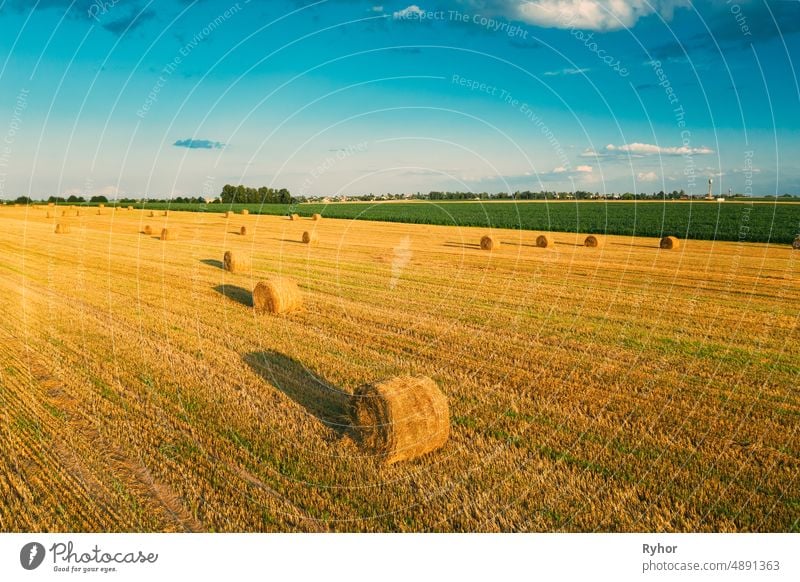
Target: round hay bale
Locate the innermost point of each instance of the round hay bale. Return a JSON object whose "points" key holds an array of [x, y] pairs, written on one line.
{"points": [[277, 295], [593, 241], [316, 217], [48, 215], [234, 262], [169, 234], [165, 213], [130, 207], [99, 212], [400, 418], [63, 228], [796, 243], [543, 241], [243, 231], [228, 214], [151, 214], [51, 203], [488, 243], [310, 237], [294, 217], [147, 229], [77, 213], [670, 242], [245, 211], [102, 206]]}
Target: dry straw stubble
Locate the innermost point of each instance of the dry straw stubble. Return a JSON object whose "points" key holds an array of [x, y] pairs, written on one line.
{"points": [[277, 295], [670, 242], [401, 418]]}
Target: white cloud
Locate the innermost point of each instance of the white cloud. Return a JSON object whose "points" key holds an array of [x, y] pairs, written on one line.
{"points": [[408, 12], [637, 149], [569, 71], [587, 14], [650, 149], [582, 172], [376, 9], [647, 176]]}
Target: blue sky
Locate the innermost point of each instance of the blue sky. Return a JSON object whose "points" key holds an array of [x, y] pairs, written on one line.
{"points": [[179, 97]]}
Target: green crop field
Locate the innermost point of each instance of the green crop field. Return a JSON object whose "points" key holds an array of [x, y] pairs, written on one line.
{"points": [[730, 221]]}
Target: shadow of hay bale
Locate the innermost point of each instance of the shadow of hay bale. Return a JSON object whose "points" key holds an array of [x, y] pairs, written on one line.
{"points": [[213, 263], [460, 245], [328, 403], [236, 293]]}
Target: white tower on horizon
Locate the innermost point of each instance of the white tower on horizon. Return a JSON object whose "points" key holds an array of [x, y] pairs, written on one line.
{"points": [[710, 196]]}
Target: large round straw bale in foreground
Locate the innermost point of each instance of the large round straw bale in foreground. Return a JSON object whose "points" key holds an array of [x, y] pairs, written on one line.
{"points": [[670, 242], [277, 295], [488, 243], [543, 241], [316, 217], [169, 234], [593, 241], [400, 418], [147, 229], [796, 243], [310, 237], [234, 263], [62, 228]]}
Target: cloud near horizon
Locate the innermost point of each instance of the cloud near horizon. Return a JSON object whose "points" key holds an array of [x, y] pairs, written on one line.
{"points": [[645, 149]]}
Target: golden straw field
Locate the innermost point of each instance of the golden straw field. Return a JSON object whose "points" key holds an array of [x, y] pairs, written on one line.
{"points": [[616, 388]]}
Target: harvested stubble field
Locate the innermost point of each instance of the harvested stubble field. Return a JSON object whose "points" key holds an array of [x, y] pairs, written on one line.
{"points": [[616, 388]]}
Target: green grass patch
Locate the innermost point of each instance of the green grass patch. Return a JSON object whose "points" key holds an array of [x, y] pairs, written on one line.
{"points": [[730, 220]]}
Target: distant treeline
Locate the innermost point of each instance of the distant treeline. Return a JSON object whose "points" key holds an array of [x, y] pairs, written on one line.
{"points": [[245, 195]]}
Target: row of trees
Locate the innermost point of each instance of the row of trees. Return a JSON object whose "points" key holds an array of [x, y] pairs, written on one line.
{"points": [[246, 195]]}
